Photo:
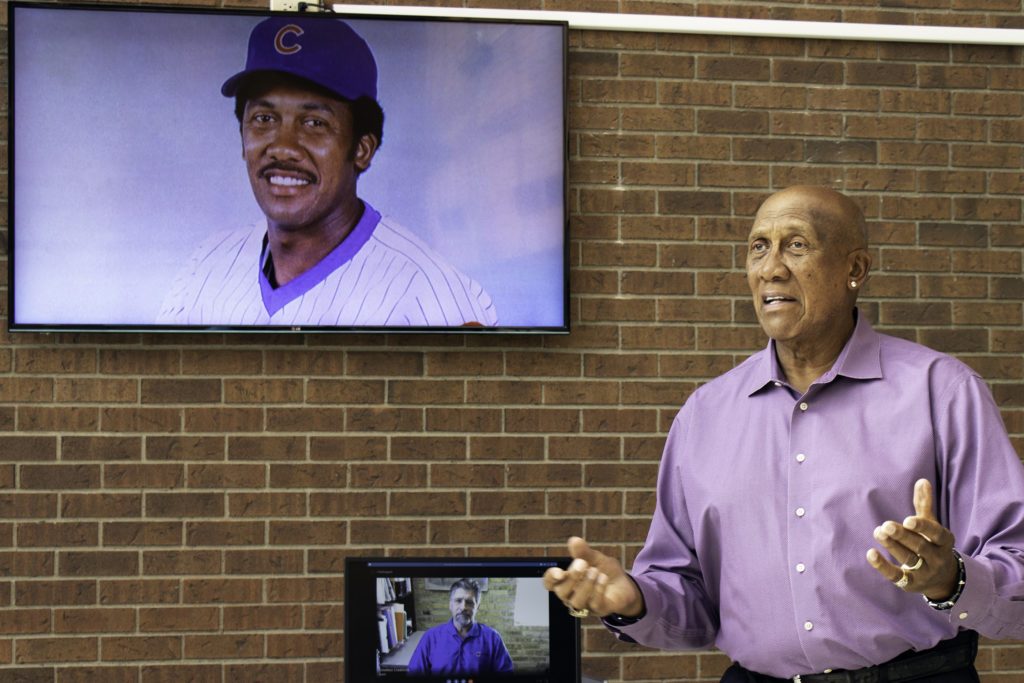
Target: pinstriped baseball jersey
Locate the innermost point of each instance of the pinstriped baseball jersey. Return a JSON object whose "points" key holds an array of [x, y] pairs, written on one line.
{"points": [[380, 275]]}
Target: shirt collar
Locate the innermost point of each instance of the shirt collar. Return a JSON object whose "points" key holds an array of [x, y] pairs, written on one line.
{"points": [[859, 359], [474, 630], [274, 299]]}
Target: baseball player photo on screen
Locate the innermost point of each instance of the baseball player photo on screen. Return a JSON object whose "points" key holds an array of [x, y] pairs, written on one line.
{"points": [[286, 172]]}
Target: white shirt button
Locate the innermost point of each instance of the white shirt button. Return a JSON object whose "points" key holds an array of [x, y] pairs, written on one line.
{"points": [[800, 457], [808, 626], [963, 615], [804, 406], [778, 384], [801, 567], [800, 512]]}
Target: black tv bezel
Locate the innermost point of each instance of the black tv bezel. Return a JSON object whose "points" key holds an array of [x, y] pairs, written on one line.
{"points": [[360, 602], [102, 327]]}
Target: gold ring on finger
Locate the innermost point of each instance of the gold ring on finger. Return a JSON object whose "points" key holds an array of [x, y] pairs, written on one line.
{"points": [[903, 580], [578, 613], [915, 566]]}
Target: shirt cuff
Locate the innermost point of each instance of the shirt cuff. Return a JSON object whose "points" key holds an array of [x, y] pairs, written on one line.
{"points": [[616, 622], [978, 595]]}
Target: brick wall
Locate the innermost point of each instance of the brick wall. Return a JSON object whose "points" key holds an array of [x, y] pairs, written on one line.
{"points": [[178, 507]]}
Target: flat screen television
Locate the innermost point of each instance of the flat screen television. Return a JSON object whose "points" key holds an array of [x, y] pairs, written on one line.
{"points": [[141, 200], [401, 614]]}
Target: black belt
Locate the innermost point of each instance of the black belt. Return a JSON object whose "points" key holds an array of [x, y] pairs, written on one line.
{"points": [[949, 655]]}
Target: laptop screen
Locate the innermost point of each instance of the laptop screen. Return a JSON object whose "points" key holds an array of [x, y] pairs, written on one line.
{"points": [[457, 620]]}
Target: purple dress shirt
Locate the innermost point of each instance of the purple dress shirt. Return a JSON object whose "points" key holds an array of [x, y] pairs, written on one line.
{"points": [[442, 650], [767, 501]]}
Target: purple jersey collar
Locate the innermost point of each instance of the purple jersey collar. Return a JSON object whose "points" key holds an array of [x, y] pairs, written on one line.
{"points": [[276, 299]]}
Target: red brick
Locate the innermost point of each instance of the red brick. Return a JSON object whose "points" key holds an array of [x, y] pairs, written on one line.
{"points": [[174, 673], [181, 562], [141, 419], [18, 622], [505, 503], [233, 646], [64, 534], [347, 504], [140, 648], [239, 562], [270, 504], [262, 391], [324, 671], [233, 476], [137, 591], [260, 618], [346, 448], [184, 504], [76, 505], [306, 590], [181, 391], [220, 533], [217, 591], [99, 563], [433, 503], [107, 674], [52, 650], [224, 420], [463, 420], [308, 475], [28, 448], [302, 362], [66, 419], [56, 592], [308, 533], [94, 620], [63, 477], [156, 619], [184, 448], [304, 645]]}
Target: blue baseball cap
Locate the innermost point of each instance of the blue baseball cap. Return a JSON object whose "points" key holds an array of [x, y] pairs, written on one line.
{"points": [[325, 51]]}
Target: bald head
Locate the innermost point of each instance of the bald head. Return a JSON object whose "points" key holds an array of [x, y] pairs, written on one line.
{"points": [[838, 218]]}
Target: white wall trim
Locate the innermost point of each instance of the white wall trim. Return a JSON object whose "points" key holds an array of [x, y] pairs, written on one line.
{"points": [[598, 21]]}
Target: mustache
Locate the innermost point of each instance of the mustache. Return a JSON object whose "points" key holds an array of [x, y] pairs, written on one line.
{"points": [[287, 168]]}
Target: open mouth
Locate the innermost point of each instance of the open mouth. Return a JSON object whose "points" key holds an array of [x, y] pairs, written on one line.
{"points": [[776, 300], [286, 181], [283, 176]]}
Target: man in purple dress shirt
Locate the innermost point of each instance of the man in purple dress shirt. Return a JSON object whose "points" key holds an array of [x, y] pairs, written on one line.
{"points": [[781, 479], [461, 646]]}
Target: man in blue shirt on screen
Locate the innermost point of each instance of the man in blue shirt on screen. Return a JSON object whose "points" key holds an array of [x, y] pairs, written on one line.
{"points": [[462, 645]]}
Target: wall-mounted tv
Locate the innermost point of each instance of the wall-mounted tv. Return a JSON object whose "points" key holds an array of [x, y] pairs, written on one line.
{"points": [[455, 620], [188, 169]]}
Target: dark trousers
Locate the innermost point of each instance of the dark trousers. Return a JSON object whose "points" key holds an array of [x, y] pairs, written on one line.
{"points": [[895, 671]]}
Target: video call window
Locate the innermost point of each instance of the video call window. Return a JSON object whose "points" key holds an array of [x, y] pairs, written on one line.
{"points": [[457, 621]]}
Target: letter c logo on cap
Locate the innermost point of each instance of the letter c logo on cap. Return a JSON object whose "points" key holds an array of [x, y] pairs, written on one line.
{"points": [[279, 44]]}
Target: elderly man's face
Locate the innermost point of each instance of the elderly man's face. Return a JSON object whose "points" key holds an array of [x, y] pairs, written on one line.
{"points": [[300, 154], [798, 268], [463, 604]]}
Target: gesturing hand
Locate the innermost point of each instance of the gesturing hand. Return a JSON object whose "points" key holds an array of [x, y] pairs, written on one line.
{"points": [[923, 547], [594, 582]]}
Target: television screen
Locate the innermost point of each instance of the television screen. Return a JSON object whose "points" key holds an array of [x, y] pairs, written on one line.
{"points": [[439, 620], [189, 169]]}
